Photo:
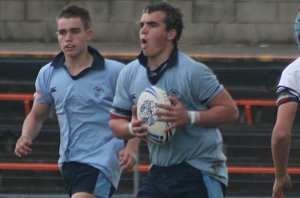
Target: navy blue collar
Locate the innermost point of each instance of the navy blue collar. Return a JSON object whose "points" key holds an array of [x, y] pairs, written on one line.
{"points": [[98, 62], [155, 75], [59, 60], [170, 62]]}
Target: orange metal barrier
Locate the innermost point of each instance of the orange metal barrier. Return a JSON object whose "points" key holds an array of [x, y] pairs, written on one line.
{"points": [[29, 166], [141, 168], [26, 98], [241, 169], [249, 103]]}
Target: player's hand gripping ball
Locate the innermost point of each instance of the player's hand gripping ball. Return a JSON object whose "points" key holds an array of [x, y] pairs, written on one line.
{"points": [[146, 109]]}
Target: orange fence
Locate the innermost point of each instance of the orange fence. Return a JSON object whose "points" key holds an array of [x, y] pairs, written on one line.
{"points": [[239, 169], [26, 98], [247, 103], [141, 168]]}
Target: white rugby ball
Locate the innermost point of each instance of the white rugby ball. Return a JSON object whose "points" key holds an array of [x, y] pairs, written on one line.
{"points": [[146, 109]]}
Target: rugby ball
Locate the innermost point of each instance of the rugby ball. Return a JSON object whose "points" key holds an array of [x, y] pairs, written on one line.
{"points": [[146, 109]]}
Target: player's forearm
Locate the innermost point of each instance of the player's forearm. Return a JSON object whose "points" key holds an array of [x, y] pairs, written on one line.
{"points": [[32, 126], [218, 115], [280, 153], [133, 144], [120, 128], [221, 110]]}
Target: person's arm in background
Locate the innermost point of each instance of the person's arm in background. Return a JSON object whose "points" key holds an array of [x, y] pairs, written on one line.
{"points": [[31, 128], [281, 139], [128, 156], [120, 128]]}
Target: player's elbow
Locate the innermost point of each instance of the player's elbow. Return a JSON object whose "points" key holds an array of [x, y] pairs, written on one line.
{"points": [[113, 128], [236, 114], [233, 115]]}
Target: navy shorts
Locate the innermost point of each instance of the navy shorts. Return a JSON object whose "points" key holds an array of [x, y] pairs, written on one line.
{"points": [[80, 177], [180, 181]]}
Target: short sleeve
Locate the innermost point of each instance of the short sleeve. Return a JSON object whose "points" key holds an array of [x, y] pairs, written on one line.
{"points": [[43, 94]]}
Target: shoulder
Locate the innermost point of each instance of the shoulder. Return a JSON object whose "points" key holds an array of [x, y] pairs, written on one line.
{"points": [[293, 67], [133, 64], [113, 64], [112, 67], [184, 59], [195, 69], [290, 78], [132, 67], [46, 69], [292, 71]]}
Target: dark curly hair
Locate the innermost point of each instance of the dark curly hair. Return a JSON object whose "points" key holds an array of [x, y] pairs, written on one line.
{"points": [[173, 18]]}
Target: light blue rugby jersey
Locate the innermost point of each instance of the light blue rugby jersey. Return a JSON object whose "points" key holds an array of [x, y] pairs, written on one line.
{"points": [[82, 105], [194, 84]]}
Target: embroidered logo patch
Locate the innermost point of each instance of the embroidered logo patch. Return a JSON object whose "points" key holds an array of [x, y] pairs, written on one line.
{"points": [[52, 89], [97, 91]]}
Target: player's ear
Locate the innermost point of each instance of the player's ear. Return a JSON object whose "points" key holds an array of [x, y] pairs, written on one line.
{"points": [[172, 34], [90, 34]]}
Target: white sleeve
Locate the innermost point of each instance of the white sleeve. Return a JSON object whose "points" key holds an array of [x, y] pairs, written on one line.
{"points": [[290, 76]]}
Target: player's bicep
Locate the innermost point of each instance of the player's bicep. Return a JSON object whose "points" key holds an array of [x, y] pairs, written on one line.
{"points": [[223, 98], [40, 110], [286, 116]]}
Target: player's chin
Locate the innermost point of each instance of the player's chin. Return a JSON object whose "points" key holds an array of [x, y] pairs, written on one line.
{"points": [[70, 53], [147, 52]]}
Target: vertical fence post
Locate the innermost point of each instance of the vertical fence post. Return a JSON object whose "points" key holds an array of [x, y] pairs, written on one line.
{"points": [[136, 175]]}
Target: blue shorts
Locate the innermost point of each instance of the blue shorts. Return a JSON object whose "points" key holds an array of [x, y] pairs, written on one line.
{"points": [[180, 181], [80, 177]]}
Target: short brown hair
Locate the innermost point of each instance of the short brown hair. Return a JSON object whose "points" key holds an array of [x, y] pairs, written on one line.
{"points": [[73, 11]]}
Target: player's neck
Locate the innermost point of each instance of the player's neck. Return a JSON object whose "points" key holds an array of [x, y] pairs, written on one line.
{"points": [[155, 61], [77, 64]]}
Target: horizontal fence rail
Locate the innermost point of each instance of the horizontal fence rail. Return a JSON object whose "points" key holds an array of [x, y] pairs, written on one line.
{"points": [[247, 103], [142, 168], [26, 98], [250, 103]]}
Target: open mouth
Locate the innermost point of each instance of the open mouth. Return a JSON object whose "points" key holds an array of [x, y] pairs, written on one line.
{"points": [[69, 46], [143, 43]]}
